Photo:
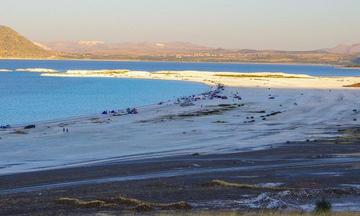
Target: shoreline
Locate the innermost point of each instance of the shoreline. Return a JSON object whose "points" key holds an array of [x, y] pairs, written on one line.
{"points": [[98, 114], [235, 108], [251, 146], [131, 60]]}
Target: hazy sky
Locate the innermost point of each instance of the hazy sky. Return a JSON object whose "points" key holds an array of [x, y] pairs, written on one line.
{"points": [[257, 24]]}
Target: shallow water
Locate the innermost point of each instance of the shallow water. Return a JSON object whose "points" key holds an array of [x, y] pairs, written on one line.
{"points": [[28, 97], [63, 65]]}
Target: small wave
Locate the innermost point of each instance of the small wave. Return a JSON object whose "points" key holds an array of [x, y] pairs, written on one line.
{"points": [[39, 70], [5, 70]]}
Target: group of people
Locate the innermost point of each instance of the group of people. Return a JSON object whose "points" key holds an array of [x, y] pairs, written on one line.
{"points": [[128, 111], [212, 94]]}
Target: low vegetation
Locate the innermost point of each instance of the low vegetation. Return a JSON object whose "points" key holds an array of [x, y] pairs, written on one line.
{"points": [[274, 76], [222, 183], [323, 207], [356, 85], [124, 203]]}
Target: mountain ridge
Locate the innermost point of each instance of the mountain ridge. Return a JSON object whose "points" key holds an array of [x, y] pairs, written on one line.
{"points": [[345, 49], [14, 45]]}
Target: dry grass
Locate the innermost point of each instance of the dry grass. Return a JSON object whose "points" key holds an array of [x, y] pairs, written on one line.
{"points": [[274, 76], [83, 204], [348, 136], [356, 85], [126, 203], [167, 73], [222, 183]]}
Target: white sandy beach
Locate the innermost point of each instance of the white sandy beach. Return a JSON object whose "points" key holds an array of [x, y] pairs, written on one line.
{"points": [[258, 112], [36, 70], [247, 80]]}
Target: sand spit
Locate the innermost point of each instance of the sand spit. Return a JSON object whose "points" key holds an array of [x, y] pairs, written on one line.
{"points": [[250, 80], [36, 70]]}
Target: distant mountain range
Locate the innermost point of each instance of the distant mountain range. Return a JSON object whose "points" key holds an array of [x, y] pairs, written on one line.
{"points": [[13, 45], [102, 48]]}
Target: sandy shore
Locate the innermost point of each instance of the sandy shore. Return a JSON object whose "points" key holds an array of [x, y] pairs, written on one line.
{"points": [[218, 121], [276, 139]]}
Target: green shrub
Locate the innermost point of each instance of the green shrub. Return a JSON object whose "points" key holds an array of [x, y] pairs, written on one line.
{"points": [[323, 206]]}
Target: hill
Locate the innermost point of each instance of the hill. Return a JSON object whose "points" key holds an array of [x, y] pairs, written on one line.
{"points": [[13, 45], [183, 51], [103, 48], [345, 49]]}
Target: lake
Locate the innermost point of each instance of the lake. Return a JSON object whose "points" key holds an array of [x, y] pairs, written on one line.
{"points": [[28, 97]]}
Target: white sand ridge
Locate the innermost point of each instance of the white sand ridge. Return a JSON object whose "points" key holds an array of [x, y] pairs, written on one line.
{"points": [[258, 80]]}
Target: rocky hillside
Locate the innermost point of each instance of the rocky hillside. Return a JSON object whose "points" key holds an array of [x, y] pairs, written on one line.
{"points": [[345, 49], [13, 45]]}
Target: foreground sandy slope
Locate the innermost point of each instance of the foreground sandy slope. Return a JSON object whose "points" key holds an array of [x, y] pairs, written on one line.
{"points": [[229, 120], [273, 141]]}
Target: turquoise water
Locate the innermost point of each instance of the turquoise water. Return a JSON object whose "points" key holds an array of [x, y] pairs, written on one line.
{"points": [[28, 97], [315, 70]]}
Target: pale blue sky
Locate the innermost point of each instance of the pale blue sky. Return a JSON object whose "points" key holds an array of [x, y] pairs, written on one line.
{"points": [[256, 24]]}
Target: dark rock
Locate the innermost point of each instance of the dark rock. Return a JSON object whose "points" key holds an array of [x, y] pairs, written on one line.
{"points": [[29, 127], [132, 111], [5, 126], [274, 113]]}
